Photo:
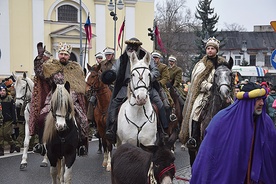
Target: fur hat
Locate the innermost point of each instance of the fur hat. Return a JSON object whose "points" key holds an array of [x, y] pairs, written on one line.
{"points": [[172, 58], [47, 54], [99, 55], [64, 48], [133, 41], [108, 50], [213, 42], [156, 53]]}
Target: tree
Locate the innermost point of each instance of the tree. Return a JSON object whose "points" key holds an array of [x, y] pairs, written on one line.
{"points": [[233, 27], [208, 20], [173, 19]]}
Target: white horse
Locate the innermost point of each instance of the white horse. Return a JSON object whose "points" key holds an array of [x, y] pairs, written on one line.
{"points": [[23, 89], [137, 121]]}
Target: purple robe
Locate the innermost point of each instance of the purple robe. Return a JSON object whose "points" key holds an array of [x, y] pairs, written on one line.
{"points": [[224, 153]]}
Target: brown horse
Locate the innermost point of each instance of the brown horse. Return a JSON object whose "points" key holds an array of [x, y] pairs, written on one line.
{"points": [[175, 122], [103, 96]]}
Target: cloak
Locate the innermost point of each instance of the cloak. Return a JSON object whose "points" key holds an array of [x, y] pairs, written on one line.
{"points": [[224, 153]]}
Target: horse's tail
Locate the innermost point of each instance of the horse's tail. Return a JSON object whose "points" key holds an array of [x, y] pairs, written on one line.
{"points": [[49, 128]]}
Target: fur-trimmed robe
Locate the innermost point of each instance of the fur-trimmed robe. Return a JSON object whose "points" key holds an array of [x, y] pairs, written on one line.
{"points": [[73, 73], [198, 95]]}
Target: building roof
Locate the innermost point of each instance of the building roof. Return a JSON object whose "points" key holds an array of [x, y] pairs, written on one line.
{"points": [[254, 40]]}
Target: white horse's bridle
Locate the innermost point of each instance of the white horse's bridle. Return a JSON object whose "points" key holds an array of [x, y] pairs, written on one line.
{"points": [[134, 87]]}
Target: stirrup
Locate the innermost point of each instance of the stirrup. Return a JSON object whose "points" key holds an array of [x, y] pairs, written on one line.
{"points": [[191, 143], [173, 117]]}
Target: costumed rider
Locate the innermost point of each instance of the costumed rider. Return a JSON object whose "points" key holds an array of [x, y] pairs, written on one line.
{"points": [[199, 93], [176, 79], [239, 144], [121, 69], [163, 79], [59, 71]]}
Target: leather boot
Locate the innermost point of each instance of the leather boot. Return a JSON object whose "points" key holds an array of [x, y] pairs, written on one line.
{"points": [[111, 132], [193, 141], [164, 121], [111, 121]]}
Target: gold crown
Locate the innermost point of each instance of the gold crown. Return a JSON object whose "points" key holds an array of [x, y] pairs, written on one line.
{"points": [[64, 48], [212, 41]]}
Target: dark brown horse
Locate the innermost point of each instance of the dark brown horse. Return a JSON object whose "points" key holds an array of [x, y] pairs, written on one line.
{"points": [[221, 96], [175, 122], [103, 96]]}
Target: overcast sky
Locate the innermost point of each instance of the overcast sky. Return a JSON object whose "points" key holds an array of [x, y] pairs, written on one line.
{"points": [[243, 12]]}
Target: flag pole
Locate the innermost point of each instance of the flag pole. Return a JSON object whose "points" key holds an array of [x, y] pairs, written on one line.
{"points": [[122, 42], [85, 47]]}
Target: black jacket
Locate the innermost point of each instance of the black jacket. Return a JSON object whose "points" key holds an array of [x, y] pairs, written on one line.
{"points": [[8, 109]]}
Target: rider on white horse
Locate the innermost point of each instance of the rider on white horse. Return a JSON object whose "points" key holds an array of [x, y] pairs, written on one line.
{"points": [[121, 71]]}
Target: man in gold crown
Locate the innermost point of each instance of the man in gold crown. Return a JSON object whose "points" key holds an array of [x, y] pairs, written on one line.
{"points": [[199, 91], [59, 71]]}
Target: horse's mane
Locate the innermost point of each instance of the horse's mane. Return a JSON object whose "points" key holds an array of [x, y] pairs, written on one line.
{"points": [[61, 100]]}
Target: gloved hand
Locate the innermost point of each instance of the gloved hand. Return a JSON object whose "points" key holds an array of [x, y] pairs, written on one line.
{"points": [[40, 49]]}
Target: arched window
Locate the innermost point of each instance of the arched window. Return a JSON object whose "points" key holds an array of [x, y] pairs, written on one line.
{"points": [[67, 13]]}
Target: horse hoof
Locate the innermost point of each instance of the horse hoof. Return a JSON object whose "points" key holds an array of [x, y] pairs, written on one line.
{"points": [[43, 164], [108, 168], [99, 152], [23, 166]]}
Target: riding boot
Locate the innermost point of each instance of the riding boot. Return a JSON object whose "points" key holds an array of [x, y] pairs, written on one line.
{"points": [[111, 121], [164, 122], [194, 140]]}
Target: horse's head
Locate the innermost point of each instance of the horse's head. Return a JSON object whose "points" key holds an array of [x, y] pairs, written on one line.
{"points": [[140, 78], [223, 80], [92, 78], [163, 160], [23, 90], [62, 107]]}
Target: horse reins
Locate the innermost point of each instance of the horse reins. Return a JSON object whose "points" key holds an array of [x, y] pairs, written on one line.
{"points": [[24, 97]]}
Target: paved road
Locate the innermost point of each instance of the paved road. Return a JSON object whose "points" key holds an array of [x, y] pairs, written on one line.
{"points": [[86, 170]]}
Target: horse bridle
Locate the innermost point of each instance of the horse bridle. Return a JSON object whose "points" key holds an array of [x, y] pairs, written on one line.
{"points": [[24, 98], [140, 80]]}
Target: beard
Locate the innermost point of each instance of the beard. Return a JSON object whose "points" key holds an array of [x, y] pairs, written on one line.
{"points": [[258, 112]]}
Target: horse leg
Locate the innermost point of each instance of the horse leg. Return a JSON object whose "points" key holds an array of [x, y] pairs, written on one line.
{"points": [[100, 146], [23, 164], [54, 173], [68, 175], [44, 162], [104, 164], [108, 167], [192, 154], [61, 166]]}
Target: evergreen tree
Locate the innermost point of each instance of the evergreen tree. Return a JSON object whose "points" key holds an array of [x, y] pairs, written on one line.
{"points": [[209, 20]]}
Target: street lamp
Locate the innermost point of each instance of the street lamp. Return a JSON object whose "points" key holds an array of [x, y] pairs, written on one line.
{"points": [[112, 8]]}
